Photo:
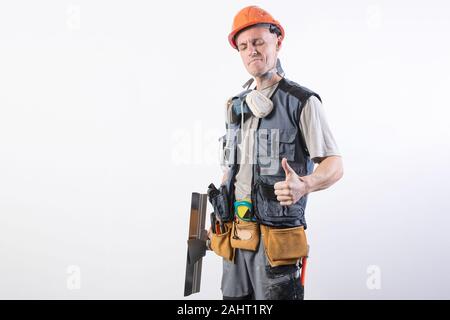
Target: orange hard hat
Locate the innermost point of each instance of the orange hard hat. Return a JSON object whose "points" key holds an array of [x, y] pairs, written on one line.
{"points": [[250, 16]]}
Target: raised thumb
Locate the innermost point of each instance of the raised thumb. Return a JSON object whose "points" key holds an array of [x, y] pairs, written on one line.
{"points": [[287, 169]]}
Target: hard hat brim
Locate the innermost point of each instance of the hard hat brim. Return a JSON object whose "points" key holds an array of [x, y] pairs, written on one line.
{"points": [[232, 35]]}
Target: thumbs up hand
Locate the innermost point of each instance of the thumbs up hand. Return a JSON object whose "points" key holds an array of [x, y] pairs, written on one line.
{"points": [[291, 189]]}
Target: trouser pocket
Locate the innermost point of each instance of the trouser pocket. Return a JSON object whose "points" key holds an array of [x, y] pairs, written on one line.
{"points": [[221, 245], [284, 283], [284, 246], [245, 235]]}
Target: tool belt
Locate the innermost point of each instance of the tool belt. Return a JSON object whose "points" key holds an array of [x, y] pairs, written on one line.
{"points": [[282, 246], [241, 233]]}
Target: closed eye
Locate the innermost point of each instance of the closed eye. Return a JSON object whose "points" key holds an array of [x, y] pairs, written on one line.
{"points": [[259, 42], [242, 47]]}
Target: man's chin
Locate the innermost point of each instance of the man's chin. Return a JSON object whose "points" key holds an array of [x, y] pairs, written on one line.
{"points": [[256, 73]]}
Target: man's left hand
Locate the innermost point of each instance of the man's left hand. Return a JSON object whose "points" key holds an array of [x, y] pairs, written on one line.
{"points": [[292, 188]]}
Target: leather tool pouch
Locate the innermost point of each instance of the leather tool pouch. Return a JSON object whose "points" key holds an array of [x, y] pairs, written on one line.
{"points": [[284, 246], [245, 235], [221, 245]]}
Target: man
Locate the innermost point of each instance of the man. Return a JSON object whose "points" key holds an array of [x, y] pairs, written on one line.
{"points": [[281, 132]]}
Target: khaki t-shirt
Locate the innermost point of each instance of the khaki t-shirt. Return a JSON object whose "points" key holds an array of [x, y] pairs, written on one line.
{"points": [[316, 132]]}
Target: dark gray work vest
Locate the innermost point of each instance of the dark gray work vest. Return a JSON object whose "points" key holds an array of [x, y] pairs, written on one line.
{"points": [[278, 136]]}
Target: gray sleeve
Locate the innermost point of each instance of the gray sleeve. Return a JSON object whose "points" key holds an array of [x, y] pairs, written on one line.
{"points": [[316, 131]]}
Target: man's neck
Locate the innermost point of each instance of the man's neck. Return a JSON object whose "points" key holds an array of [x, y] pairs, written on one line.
{"points": [[266, 80]]}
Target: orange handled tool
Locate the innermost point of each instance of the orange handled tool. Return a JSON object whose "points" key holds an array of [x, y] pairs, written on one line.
{"points": [[218, 231], [304, 263], [303, 274]]}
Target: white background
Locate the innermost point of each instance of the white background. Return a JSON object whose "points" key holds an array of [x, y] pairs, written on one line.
{"points": [[109, 117]]}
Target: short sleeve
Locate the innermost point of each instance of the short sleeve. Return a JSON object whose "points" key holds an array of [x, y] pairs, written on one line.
{"points": [[228, 111], [316, 131]]}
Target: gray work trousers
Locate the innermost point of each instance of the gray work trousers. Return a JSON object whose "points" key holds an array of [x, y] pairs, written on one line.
{"points": [[251, 277]]}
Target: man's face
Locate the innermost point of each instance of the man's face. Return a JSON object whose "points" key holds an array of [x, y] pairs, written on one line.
{"points": [[259, 49]]}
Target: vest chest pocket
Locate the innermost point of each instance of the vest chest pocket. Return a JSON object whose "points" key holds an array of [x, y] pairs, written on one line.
{"points": [[277, 143], [287, 144], [273, 145]]}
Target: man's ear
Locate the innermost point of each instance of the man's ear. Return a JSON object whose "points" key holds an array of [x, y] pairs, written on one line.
{"points": [[279, 43]]}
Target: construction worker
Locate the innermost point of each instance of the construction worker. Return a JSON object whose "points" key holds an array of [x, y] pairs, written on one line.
{"points": [[277, 131]]}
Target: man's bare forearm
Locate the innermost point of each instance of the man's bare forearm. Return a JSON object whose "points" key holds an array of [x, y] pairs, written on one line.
{"points": [[328, 172]]}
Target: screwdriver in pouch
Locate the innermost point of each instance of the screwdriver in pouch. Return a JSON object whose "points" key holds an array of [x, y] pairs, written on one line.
{"points": [[213, 222], [220, 224]]}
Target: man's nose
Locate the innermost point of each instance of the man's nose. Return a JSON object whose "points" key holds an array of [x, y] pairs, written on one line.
{"points": [[252, 50]]}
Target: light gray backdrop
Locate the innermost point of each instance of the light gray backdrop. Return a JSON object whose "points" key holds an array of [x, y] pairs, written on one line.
{"points": [[109, 117]]}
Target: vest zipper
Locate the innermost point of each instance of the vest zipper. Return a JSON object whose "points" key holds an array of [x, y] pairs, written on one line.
{"points": [[255, 165]]}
